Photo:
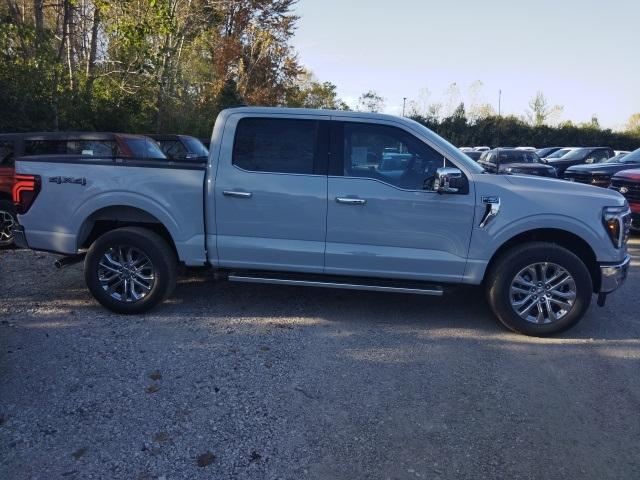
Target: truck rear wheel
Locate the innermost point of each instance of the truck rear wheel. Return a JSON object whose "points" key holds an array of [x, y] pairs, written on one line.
{"points": [[7, 220], [539, 289], [130, 270]]}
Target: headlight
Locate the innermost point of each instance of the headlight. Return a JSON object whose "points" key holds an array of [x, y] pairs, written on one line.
{"points": [[616, 223], [512, 170]]}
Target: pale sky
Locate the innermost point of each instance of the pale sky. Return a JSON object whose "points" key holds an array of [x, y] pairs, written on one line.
{"points": [[583, 54]]}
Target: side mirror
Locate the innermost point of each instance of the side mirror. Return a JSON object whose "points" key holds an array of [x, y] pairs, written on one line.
{"points": [[449, 180], [589, 160]]}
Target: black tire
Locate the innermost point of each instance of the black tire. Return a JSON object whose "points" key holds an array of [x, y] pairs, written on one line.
{"points": [[157, 250], [7, 219], [512, 262]]}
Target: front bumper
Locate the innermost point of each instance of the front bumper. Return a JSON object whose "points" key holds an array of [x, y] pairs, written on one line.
{"points": [[19, 238], [613, 276]]}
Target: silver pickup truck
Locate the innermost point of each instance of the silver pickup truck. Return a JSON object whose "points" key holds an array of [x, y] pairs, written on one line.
{"points": [[329, 199]]}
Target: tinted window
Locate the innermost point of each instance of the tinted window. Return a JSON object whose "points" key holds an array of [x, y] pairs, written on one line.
{"points": [[633, 157], [519, 156], [195, 147], [578, 154], [93, 148], [173, 149], [599, 155], [391, 155], [143, 148], [45, 147], [274, 145], [6, 154], [560, 153]]}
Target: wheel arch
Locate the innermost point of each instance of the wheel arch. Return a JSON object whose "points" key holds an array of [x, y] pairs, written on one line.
{"points": [[112, 217], [564, 238]]}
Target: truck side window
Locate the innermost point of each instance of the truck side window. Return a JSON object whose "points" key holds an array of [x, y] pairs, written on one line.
{"points": [[391, 155], [94, 148], [45, 147], [276, 145], [6, 154], [599, 155]]}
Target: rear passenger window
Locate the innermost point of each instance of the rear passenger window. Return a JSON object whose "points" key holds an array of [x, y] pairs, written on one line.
{"points": [[276, 145]]}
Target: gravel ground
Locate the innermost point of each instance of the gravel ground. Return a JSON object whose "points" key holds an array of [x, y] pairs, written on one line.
{"points": [[260, 382]]}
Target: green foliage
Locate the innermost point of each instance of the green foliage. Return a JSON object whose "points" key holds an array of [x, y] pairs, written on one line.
{"points": [[371, 102], [309, 93], [145, 65], [512, 132], [633, 124]]}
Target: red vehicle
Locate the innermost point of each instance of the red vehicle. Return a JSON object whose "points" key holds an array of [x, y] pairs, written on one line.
{"points": [[91, 144], [627, 183]]}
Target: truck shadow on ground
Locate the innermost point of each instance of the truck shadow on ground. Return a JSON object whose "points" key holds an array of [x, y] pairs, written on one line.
{"points": [[198, 297]]}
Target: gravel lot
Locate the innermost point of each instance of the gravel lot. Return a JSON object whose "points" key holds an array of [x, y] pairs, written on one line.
{"points": [[259, 382]]}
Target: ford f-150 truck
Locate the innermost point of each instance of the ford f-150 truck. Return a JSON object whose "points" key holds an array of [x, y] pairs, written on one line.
{"points": [[297, 197]]}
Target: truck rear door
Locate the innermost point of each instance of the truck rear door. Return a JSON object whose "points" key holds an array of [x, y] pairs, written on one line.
{"points": [[271, 193]]}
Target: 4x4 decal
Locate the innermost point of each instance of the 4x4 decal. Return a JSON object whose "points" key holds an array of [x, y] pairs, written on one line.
{"points": [[60, 180]]}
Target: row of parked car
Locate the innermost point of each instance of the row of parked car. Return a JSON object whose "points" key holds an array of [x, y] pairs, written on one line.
{"points": [[101, 147], [598, 166]]}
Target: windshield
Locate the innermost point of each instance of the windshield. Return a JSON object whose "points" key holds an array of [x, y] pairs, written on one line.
{"points": [[543, 152], [617, 159], [144, 148], [578, 154], [515, 156], [633, 157], [195, 147], [560, 153]]}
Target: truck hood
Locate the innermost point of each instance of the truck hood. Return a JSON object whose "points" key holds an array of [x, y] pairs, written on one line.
{"points": [[602, 168], [561, 192], [629, 174], [526, 166], [552, 161]]}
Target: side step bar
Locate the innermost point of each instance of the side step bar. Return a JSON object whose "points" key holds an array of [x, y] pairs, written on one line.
{"points": [[346, 283]]}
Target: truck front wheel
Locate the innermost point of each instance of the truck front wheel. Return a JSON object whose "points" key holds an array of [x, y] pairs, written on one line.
{"points": [[539, 288], [130, 270]]}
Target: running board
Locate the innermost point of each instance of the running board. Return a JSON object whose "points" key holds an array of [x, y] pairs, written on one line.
{"points": [[345, 283]]}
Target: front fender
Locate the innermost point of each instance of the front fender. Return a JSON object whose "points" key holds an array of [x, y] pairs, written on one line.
{"points": [[485, 242]]}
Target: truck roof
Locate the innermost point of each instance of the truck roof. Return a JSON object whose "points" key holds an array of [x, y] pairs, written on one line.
{"points": [[311, 111]]}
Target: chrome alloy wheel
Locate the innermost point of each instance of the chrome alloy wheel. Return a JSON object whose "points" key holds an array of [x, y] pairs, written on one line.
{"points": [[7, 221], [126, 273], [543, 293]]}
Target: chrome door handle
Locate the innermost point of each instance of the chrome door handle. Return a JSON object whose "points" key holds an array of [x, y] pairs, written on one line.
{"points": [[233, 193], [351, 201]]}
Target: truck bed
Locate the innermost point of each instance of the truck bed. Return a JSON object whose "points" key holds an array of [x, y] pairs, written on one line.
{"points": [[76, 192]]}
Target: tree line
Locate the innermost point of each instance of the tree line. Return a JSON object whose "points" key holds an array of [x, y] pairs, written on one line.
{"points": [[147, 65], [511, 131], [172, 65]]}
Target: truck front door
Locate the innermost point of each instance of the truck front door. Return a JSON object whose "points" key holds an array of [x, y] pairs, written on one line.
{"points": [[384, 218]]}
